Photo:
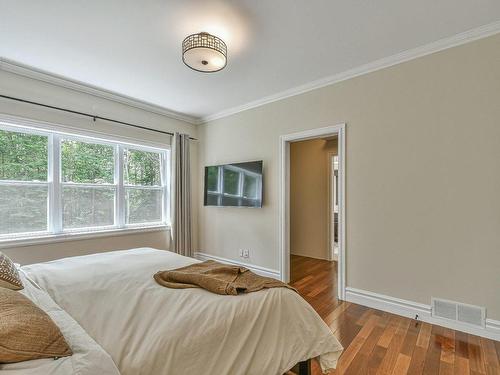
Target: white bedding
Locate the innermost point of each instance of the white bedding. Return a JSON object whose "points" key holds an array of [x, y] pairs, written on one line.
{"points": [[150, 329], [88, 357]]}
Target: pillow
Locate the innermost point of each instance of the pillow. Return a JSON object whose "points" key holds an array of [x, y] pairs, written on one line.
{"points": [[9, 277], [26, 331]]}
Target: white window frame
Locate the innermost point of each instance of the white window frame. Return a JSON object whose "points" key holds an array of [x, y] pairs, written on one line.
{"points": [[55, 231]]}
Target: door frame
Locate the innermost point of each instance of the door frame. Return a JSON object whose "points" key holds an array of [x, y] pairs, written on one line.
{"points": [[284, 198]]}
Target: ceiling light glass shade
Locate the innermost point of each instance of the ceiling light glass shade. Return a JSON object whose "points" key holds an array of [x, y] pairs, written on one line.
{"points": [[204, 52]]}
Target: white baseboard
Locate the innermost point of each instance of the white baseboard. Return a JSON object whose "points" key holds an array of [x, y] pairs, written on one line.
{"points": [[410, 309], [268, 272]]}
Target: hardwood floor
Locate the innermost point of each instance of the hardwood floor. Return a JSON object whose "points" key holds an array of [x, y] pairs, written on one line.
{"points": [[376, 342]]}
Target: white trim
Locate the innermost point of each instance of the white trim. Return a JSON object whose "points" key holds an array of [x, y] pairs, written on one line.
{"points": [[263, 271], [68, 236], [23, 183], [57, 80], [120, 188], [410, 309], [411, 54], [55, 197], [284, 198]]}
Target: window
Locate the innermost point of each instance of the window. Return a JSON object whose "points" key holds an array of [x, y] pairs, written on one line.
{"points": [[88, 184], [23, 182], [53, 183], [143, 186]]}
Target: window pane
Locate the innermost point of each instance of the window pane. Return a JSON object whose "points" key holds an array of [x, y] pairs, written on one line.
{"points": [[250, 187], [23, 209], [23, 157], [142, 168], [231, 182], [143, 205], [87, 162], [212, 178], [85, 207]]}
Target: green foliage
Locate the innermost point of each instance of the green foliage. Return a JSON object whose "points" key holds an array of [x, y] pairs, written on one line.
{"points": [[87, 162], [142, 168], [23, 157]]}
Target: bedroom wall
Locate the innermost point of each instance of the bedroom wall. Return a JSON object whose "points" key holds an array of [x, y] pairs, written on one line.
{"points": [[423, 216], [35, 90], [309, 197]]}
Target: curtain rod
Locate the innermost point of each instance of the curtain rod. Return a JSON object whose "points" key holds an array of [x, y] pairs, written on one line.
{"points": [[94, 117]]}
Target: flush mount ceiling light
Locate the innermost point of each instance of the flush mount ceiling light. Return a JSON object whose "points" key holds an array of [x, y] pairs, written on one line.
{"points": [[204, 52]]}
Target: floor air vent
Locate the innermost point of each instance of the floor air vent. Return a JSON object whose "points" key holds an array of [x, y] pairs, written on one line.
{"points": [[459, 312]]}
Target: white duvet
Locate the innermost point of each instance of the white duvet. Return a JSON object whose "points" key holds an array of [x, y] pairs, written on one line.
{"points": [[88, 357], [150, 329]]}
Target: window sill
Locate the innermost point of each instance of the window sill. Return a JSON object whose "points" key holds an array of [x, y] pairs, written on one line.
{"points": [[63, 237]]}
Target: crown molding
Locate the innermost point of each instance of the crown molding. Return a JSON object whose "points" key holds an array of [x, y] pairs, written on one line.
{"points": [[427, 49], [57, 80]]}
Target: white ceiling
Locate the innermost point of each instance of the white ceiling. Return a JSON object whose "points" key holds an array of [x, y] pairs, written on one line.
{"points": [[133, 47]]}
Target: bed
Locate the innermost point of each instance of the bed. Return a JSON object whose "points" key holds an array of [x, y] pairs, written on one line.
{"points": [[149, 329]]}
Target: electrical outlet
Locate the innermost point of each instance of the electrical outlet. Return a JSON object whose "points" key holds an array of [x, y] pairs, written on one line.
{"points": [[246, 254]]}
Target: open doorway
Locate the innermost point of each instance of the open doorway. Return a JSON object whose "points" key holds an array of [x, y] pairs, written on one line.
{"points": [[313, 267], [312, 210]]}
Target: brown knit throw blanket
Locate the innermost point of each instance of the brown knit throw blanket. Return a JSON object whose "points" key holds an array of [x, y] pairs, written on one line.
{"points": [[217, 278]]}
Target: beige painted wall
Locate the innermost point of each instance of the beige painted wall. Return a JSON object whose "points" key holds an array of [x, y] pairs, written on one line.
{"points": [[309, 197], [423, 216], [57, 250], [30, 89]]}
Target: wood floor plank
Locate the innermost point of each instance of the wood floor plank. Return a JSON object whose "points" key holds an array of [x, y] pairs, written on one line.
{"points": [[417, 361], [390, 331], [461, 345], [445, 368], [402, 365], [376, 359], [424, 335], [411, 338], [461, 366], [433, 354], [492, 363], [391, 356], [476, 356], [356, 344], [448, 346]]}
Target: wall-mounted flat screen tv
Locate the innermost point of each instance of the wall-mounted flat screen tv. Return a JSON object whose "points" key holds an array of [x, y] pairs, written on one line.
{"points": [[234, 185]]}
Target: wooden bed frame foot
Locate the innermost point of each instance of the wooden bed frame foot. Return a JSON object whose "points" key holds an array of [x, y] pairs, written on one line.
{"points": [[305, 367]]}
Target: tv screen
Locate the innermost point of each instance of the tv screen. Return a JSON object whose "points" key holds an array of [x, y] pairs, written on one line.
{"points": [[234, 185]]}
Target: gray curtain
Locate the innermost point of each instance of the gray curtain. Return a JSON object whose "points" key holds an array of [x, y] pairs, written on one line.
{"points": [[181, 196]]}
